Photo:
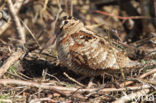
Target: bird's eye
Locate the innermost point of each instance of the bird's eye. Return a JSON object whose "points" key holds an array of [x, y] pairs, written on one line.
{"points": [[66, 22]]}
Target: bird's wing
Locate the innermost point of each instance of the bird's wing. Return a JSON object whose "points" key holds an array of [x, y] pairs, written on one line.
{"points": [[93, 52]]}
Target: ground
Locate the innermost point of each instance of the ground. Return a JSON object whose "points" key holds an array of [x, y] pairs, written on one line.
{"points": [[30, 71]]}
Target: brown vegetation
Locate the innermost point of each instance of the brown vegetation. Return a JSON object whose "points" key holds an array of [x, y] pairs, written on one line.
{"points": [[29, 68]]}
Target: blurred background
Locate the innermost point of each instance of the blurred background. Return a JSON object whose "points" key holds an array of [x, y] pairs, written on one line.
{"points": [[132, 20]]}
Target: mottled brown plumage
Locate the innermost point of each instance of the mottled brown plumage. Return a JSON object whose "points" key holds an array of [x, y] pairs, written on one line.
{"points": [[83, 51]]}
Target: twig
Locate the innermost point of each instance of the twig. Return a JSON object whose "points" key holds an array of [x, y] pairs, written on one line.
{"points": [[138, 95], [148, 73], [20, 29], [33, 36], [40, 100], [132, 96], [120, 17], [69, 7], [53, 76], [16, 55], [141, 77], [58, 89], [10, 61], [17, 5], [44, 8], [72, 79], [152, 82], [5, 101], [121, 69], [3, 4], [53, 27], [31, 84]]}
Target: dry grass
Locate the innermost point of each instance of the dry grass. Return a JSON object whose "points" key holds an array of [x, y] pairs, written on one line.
{"points": [[30, 71]]}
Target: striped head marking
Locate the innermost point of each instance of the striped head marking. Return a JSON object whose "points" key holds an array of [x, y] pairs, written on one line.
{"points": [[68, 23]]}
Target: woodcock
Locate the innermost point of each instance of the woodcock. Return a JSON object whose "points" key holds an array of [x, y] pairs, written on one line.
{"points": [[87, 53]]}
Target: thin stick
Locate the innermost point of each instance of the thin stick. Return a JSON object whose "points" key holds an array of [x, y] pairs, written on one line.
{"points": [[16, 55], [72, 79], [58, 89], [40, 100], [44, 8], [120, 17], [6, 101], [53, 26], [121, 69], [132, 96], [33, 36], [69, 7], [10, 61], [31, 84], [20, 29], [141, 77], [17, 5]]}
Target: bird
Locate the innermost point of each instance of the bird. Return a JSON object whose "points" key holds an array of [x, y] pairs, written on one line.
{"points": [[85, 52]]}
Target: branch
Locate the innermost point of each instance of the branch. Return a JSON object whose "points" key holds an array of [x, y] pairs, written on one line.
{"points": [[20, 29], [132, 96], [120, 17], [19, 53], [10, 61], [141, 77], [31, 84], [17, 6], [58, 88]]}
